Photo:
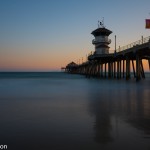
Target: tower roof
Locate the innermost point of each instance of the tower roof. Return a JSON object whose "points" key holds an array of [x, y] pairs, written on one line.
{"points": [[101, 31]]}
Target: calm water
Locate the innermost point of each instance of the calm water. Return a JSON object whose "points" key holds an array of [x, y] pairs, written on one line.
{"points": [[57, 111]]}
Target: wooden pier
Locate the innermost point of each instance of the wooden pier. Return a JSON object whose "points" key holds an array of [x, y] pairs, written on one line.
{"points": [[118, 64], [114, 65]]}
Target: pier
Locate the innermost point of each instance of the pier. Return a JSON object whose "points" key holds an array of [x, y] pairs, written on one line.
{"points": [[102, 64]]}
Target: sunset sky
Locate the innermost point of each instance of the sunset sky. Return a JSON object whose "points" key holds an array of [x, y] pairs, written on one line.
{"points": [[44, 35]]}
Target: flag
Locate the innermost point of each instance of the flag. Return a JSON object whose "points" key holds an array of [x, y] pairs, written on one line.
{"points": [[147, 24]]}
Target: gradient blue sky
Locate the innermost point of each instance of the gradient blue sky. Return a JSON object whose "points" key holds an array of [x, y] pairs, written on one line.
{"points": [[43, 35]]}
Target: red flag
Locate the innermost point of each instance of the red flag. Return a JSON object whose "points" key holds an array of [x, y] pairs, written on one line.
{"points": [[147, 24]]}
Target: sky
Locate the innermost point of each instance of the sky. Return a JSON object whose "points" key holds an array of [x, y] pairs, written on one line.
{"points": [[45, 35]]}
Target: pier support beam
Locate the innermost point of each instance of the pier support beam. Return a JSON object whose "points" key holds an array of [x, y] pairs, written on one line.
{"points": [[109, 70], [105, 69], [114, 69], [137, 68], [123, 68], [98, 71], [117, 69], [101, 70], [120, 69], [142, 70], [133, 68], [127, 68]]}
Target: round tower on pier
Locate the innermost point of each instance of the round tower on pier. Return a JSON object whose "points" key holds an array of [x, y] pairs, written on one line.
{"points": [[101, 40]]}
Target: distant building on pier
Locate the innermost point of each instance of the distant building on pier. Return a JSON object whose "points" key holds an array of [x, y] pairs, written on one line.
{"points": [[71, 67]]}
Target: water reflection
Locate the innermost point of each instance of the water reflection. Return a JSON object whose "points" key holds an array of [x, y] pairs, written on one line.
{"points": [[74, 114], [119, 109], [102, 124]]}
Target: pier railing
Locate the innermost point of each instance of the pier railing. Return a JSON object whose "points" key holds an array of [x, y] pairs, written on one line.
{"points": [[137, 43]]}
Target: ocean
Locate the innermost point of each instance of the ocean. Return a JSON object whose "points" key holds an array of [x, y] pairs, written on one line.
{"points": [[60, 111]]}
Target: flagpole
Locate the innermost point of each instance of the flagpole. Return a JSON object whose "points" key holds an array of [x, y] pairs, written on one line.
{"points": [[115, 43]]}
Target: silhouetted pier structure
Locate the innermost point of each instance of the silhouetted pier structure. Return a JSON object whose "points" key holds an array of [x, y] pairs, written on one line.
{"points": [[103, 64]]}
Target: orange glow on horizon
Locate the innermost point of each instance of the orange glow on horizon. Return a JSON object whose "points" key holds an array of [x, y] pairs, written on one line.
{"points": [[145, 65], [42, 64], [35, 60]]}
